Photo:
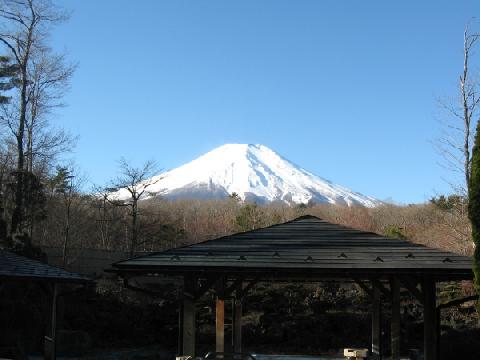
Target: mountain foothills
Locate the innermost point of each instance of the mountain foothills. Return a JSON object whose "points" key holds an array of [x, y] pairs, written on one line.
{"points": [[253, 172]]}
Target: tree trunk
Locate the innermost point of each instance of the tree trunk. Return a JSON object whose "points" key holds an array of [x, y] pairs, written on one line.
{"points": [[66, 232], [134, 227], [17, 216]]}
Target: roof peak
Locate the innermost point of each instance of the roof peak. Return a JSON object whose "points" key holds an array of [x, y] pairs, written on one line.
{"points": [[304, 217]]}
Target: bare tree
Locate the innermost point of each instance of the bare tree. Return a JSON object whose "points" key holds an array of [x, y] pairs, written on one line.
{"points": [[103, 218], [131, 185], [67, 184], [50, 79], [455, 144], [24, 30]]}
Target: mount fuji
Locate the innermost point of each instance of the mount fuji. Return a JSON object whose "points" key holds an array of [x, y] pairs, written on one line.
{"points": [[254, 173]]}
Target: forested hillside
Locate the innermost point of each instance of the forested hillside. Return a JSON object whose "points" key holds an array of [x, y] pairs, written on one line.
{"points": [[161, 224]]}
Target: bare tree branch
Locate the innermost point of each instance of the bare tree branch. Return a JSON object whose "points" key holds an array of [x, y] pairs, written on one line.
{"points": [[455, 143], [134, 181]]}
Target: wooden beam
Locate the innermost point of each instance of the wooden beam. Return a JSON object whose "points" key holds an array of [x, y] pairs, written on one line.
{"points": [[395, 322], [376, 324], [189, 316], [50, 350], [364, 287], [429, 319]]}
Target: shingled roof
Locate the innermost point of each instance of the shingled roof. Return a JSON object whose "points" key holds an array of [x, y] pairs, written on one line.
{"points": [[306, 246], [13, 266]]}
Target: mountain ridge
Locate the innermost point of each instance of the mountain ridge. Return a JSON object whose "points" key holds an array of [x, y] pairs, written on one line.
{"points": [[255, 173]]}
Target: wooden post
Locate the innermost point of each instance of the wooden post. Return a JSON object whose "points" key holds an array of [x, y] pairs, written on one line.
{"points": [[220, 326], [180, 328], [50, 350], [237, 326], [395, 323], [376, 323], [438, 334], [189, 316], [220, 317], [430, 319], [60, 311]]}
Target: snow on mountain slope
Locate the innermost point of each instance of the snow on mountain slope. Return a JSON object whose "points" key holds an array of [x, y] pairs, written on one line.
{"points": [[255, 173]]}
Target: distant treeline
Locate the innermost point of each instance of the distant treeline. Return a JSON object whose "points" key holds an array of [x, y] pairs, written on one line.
{"points": [[162, 224]]}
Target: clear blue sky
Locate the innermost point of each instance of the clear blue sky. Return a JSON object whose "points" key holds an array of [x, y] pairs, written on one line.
{"points": [[346, 89]]}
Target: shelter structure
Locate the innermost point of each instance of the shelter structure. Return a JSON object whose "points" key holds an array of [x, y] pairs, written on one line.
{"points": [[305, 249], [23, 272]]}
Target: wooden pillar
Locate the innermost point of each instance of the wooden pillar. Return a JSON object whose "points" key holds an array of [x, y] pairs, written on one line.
{"points": [[180, 328], [50, 349], [189, 316], [395, 323], [376, 323], [220, 326], [430, 320], [438, 330], [237, 326], [220, 317]]}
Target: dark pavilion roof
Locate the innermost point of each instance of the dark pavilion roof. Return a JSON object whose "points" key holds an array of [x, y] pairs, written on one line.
{"points": [[302, 248], [16, 267]]}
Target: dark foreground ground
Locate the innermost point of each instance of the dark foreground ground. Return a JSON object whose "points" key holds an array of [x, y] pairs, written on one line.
{"points": [[158, 354], [115, 323]]}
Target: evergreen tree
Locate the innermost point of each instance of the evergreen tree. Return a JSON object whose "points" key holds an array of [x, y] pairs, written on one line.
{"points": [[449, 202], [64, 184], [234, 196], [474, 206], [250, 217], [8, 79]]}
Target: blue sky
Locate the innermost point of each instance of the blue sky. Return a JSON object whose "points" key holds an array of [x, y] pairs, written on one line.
{"points": [[346, 89]]}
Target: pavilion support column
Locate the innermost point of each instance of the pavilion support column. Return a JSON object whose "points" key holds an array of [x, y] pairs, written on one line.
{"points": [[180, 328], [395, 323], [220, 317], [430, 340], [438, 333], [50, 347], [188, 316], [60, 311], [376, 323], [237, 326]]}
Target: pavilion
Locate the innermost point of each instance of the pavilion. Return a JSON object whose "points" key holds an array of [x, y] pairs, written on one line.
{"points": [[23, 273], [305, 249]]}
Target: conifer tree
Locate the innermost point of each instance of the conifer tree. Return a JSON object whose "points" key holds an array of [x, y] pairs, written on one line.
{"points": [[8, 79], [474, 206], [249, 217]]}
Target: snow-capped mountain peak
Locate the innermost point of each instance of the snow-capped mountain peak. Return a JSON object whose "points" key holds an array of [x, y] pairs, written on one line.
{"points": [[254, 172]]}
